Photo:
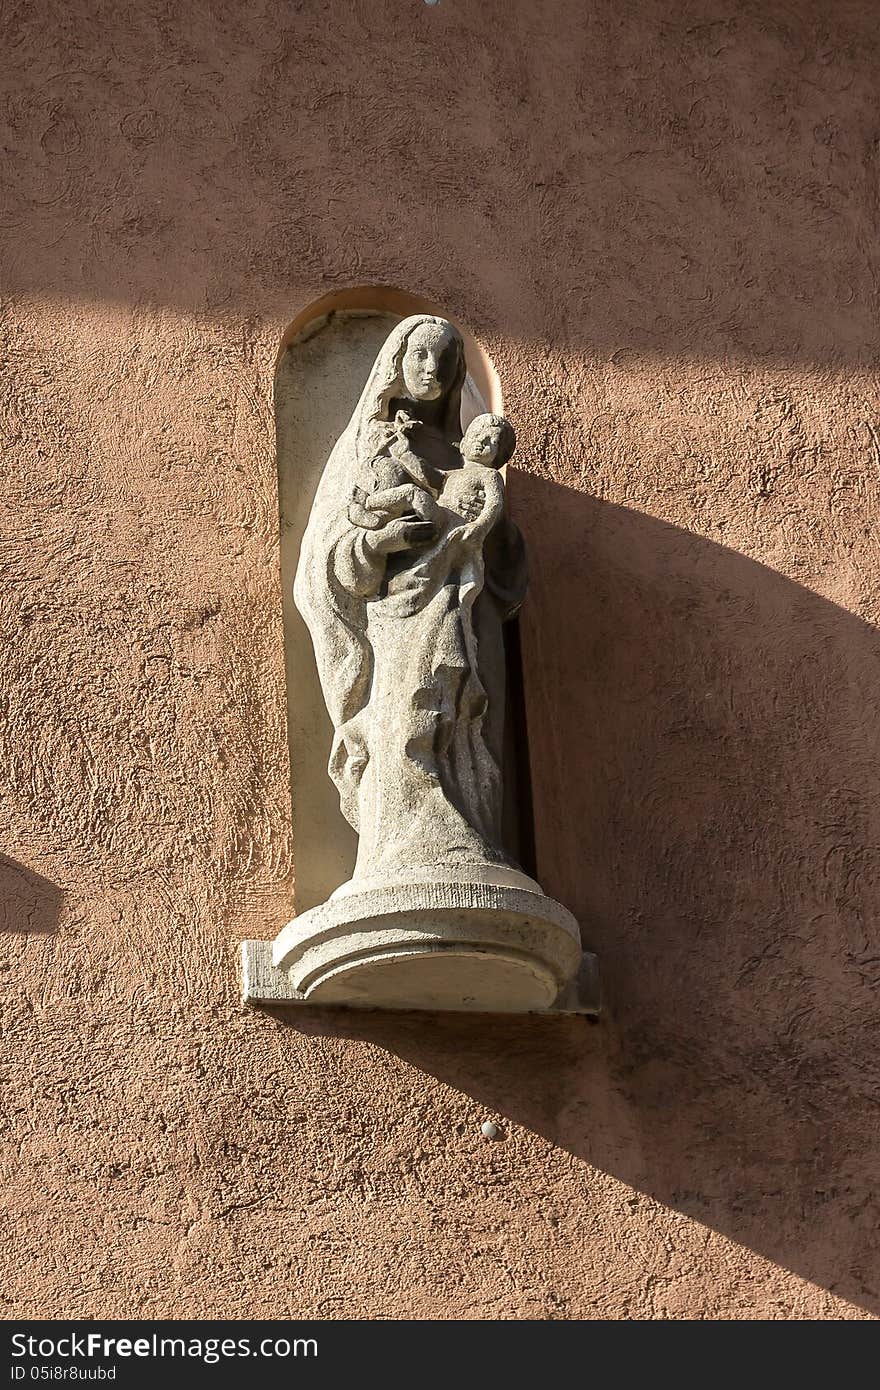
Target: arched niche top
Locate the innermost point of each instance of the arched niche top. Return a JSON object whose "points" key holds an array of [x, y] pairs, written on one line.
{"points": [[324, 359]]}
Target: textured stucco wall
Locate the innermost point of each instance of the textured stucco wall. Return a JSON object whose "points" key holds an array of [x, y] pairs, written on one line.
{"points": [[661, 221]]}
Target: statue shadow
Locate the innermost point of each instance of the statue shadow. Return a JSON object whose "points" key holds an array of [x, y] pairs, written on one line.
{"points": [[29, 903], [704, 758]]}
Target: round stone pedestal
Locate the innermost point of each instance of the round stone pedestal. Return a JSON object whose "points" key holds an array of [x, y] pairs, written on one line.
{"points": [[466, 946]]}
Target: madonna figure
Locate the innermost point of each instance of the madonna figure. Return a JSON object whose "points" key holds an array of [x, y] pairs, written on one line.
{"points": [[408, 569]]}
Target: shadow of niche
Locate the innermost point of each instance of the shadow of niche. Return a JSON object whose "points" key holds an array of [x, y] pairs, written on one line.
{"points": [[29, 903], [705, 747], [325, 359]]}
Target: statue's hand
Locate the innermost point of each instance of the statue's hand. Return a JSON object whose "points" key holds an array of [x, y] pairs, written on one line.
{"points": [[404, 500], [472, 506], [404, 533], [404, 517]]}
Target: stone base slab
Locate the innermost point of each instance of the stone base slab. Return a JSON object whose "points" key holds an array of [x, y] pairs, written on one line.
{"points": [[456, 944], [264, 984]]}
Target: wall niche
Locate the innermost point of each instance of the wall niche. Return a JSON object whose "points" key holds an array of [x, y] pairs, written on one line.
{"points": [[402, 573]]}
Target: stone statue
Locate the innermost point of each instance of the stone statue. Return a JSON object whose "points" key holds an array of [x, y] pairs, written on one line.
{"points": [[408, 569]]}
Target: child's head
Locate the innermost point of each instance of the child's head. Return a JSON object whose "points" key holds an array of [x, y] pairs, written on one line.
{"points": [[489, 440]]}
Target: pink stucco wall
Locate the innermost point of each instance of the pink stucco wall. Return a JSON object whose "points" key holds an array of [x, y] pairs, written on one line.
{"points": [[661, 222]]}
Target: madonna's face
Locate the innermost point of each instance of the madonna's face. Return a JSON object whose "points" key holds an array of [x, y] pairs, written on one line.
{"points": [[429, 362]]}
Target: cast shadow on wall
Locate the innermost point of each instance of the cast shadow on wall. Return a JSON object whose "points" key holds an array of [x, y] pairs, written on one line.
{"points": [[29, 903], [706, 802]]}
